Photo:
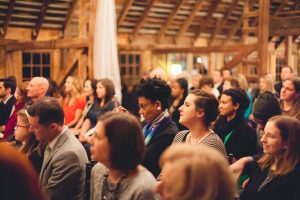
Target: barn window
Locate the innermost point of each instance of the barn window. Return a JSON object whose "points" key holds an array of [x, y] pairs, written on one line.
{"points": [[35, 64], [130, 67]]}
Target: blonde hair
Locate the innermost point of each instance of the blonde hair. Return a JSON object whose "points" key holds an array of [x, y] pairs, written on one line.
{"points": [[243, 82], [269, 82], [203, 173], [289, 128]]}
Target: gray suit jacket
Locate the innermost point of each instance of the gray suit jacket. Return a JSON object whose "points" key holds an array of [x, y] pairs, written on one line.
{"points": [[63, 173]]}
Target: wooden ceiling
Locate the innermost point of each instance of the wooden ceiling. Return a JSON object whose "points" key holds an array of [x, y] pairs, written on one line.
{"points": [[212, 19]]}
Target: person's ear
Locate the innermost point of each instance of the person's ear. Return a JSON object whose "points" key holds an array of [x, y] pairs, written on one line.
{"points": [[53, 126], [158, 105], [200, 113], [236, 106]]}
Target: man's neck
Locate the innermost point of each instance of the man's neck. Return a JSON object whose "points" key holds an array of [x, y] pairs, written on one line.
{"points": [[5, 99]]}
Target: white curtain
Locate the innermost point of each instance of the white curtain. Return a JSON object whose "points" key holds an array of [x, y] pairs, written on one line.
{"points": [[106, 63]]}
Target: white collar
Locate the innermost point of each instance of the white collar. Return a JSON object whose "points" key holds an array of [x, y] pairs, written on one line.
{"points": [[7, 99]]}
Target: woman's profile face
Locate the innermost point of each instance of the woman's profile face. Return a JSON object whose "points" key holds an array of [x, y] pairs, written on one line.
{"points": [[100, 147], [187, 111], [149, 110], [69, 84], [87, 88], [100, 90], [272, 141], [176, 90], [288, 91], [21, 129]]}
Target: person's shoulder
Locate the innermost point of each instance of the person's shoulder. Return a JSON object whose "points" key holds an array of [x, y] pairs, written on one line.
{"points": [[99, 168]]}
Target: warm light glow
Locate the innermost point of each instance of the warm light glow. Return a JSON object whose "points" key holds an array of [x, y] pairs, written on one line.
{"points": [[176, 69], [199, 60]]}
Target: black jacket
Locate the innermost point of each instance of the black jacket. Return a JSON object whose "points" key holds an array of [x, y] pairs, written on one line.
{"points": [[280, 188], [5, 110], [243, 139], [163, 137]]}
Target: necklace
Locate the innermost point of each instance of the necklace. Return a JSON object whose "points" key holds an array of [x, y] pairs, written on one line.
{"points": [[198, 141], [111, 193]]}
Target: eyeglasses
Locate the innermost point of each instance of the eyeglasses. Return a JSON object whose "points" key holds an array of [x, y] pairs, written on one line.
{"points": [[21, 126]]}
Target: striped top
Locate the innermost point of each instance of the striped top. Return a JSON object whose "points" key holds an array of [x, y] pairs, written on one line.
{"points": [[211, 140]]}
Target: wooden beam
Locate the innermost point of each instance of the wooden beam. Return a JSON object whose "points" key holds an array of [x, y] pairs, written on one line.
{"points": [[189, 20], [208, 49], [277, 43], [93, 7], [124, 12], [40, 20], [70, 14], [68, 67], [5, 42], [238, 58], [7, 18], [82, 19], [233, 30], [224, 19], [51, 44], [170, 19], [263, 35], [280, 7], [143, 19], [208, 18]]}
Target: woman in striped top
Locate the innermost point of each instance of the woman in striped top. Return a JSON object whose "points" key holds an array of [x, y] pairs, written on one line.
{"points": [[197, 113]]}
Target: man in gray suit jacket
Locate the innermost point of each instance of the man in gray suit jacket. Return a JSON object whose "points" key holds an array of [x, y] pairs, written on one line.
{"points": [[63, 171]]}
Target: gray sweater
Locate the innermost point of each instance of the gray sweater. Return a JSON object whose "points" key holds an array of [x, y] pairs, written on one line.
{"points": [[138, 187]]}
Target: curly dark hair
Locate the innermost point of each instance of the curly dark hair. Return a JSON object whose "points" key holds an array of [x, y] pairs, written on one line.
{"points": [[154, 89], [209, 103]]}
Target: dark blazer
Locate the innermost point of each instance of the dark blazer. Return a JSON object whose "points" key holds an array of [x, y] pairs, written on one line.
{"points": [[243, 140], [280, 188], [176, 115], [5, 110], [63, 173], [165, 133]]}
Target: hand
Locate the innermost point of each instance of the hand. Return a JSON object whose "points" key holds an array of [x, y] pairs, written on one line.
{"points": [[83, 138], [237, 168], [120, 109]]}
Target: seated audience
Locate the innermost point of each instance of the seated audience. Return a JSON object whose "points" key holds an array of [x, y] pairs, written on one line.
{"points": [[195, 172], [159, 130], [37, 89], [118, 146], [197, 113], [238, 137], [276, 174], [73, 103], [18, 179], [206, 84], [89, 91], [105, 92], [179, 90], [63, 170], [7, 91], [21, 98], [290, 98]]}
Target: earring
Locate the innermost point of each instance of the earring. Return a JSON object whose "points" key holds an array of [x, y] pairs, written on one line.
{"points": [[158, 108]]}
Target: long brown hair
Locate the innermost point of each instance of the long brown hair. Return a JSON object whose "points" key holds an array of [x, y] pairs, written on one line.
{"points": [[289, 130]]}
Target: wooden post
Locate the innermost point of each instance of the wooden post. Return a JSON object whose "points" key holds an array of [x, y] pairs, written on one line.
{"points": [[263, 35], [289, 51], [82, 62], [93, 7]]}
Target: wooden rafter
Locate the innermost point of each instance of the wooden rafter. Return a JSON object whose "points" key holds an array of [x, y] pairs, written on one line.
{"points": [[207, 49], [52, 44], [143, 19], [239, 58], [234, 29], [224, 19], [7, 18], [170, 19], [280, 7], [124, 12], [71, 10], [208, 18], [190, 18], [40, 20]]}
